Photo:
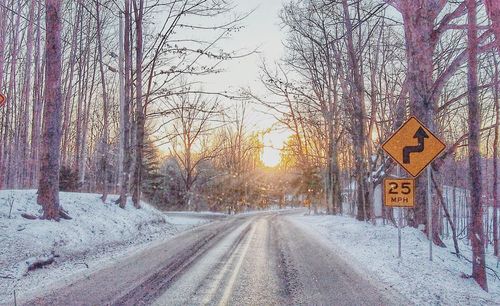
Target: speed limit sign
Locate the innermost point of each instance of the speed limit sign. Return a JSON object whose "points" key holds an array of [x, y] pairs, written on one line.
{"points": [[399, 192]]}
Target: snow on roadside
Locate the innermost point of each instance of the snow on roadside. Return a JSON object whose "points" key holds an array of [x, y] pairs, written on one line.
{"points": [[373, 251], [97, 230]]}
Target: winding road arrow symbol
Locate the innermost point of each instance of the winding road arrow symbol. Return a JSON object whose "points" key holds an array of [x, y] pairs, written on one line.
{"points": [[420, 134], [410, 138]]}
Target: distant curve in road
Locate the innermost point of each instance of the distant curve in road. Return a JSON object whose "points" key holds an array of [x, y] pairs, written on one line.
{"points": [[256, 259]]}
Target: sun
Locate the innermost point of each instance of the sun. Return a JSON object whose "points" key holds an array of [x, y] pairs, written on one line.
{"points": [[273, 141], [271, 157]]}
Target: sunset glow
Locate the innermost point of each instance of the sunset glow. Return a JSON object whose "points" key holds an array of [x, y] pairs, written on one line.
{"points": [[270, 157], [273, 142]]}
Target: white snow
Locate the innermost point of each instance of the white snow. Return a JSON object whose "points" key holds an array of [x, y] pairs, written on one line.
{"points": [[372, 250], [97, 232]]}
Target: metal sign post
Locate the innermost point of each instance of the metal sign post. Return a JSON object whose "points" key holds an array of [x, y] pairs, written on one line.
{"points": [[429, 211], [413, 146], [400, 216], [399, 193]]}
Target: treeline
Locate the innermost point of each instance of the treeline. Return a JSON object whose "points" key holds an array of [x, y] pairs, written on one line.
{"points": [[99, 93], [355, 70]]}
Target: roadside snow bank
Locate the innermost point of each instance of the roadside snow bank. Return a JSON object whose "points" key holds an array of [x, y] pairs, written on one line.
{"points": [[97, 230], [373, 251]]}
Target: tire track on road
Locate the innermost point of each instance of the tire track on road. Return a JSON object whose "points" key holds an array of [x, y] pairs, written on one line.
{"points": [[223, 266], [147, 291], [236, 271]]}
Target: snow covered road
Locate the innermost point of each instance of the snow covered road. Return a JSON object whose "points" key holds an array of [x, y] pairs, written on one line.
{"points": [[254, 259]]}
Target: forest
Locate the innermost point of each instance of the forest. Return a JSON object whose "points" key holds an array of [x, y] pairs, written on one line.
{"points": [[105, 97]]}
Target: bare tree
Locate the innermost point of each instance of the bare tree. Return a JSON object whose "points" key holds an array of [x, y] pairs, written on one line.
{"points": [[48, 188], [105, 107], [139, 106], [496, 144], [493, 9], [191, 144], [126, 106], [477, 234]]}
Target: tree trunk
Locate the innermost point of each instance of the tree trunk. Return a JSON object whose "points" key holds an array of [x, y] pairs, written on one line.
{"points": [[475, 178], [126, 106], [3, 32], [83, 68], [7, 172], [419, 52], [121, 149], [358, 119], [139, 111], [37, 106], [104, 162], [495, 163], [447, 215], [493, 8], [48, 188], [25, 165], [68, 88]]}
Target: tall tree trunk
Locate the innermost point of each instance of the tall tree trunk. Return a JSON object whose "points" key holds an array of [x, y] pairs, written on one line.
{"points": [[25, 165], [82, 85], [493, 8], [496, 143], [105, 110], [37, 105], [477, 237], [139, 111], [68, 88], [419, 52], [127, 51], [87, 78], [121, 149], [358, 120], [7, 171], [3, 32], [48, 188], [419, 21]]}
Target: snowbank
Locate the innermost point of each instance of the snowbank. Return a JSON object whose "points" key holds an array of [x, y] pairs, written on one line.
{"points": [[373, 251], [97, 230]]}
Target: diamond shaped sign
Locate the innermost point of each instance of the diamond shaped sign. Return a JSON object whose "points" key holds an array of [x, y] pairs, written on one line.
{"points": [[413, 146]]}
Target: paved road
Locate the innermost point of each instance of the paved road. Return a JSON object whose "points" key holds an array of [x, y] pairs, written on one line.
{"points": [[261, 259]]}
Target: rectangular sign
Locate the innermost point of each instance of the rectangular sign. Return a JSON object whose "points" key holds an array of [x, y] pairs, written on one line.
{"points": [[399, 192]]}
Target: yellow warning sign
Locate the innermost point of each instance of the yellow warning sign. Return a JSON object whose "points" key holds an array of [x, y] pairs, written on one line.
{"points": [[413, 146], [399, 192]]}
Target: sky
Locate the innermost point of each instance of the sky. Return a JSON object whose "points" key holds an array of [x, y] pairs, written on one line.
{"points": [[262, 31]]}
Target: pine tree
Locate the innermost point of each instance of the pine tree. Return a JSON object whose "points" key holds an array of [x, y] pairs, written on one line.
{"points": [[152, 178]]}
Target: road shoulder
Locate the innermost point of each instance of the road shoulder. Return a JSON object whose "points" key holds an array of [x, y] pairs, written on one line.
{"points": [[372, 252]]}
